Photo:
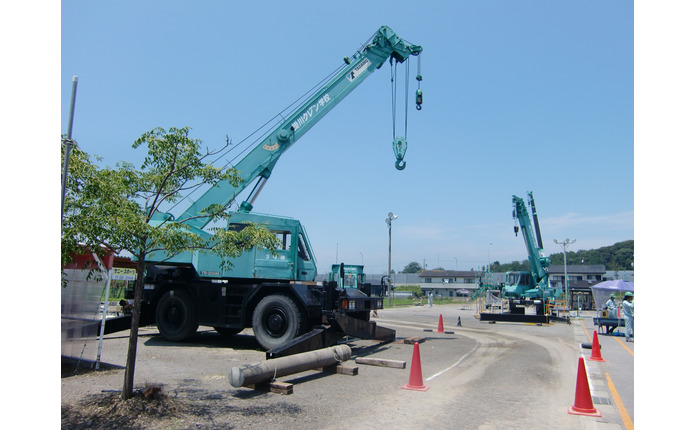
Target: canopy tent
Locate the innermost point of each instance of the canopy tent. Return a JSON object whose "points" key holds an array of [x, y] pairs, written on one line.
{"points": [[603, 290]]}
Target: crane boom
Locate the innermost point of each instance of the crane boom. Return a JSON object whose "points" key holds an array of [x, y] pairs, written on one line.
{"points": [[537, 262], [258, 164]]}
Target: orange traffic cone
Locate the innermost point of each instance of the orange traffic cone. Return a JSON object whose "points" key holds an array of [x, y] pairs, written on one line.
{"points": [[415, 382], [440, 329], [583, 404], [596, 349]]}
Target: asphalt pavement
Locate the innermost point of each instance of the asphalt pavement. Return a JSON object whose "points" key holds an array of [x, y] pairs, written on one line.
{"points": [[611, 382]]}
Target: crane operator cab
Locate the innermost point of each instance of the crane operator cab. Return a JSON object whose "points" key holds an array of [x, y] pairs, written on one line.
{"points": [[292, 260]]}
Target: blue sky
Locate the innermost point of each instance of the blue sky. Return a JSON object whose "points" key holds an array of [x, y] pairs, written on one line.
{"points": [[518, 96]]}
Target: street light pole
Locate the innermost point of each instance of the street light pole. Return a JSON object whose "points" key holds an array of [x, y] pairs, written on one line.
{"points": [[564, 245], [488, 256], [390, 218], [69, 143]]}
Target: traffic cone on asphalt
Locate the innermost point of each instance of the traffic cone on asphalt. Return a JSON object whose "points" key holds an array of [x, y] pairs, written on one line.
{"points": [[596, 349], [583, 404], [440, 329], [415, 382]]}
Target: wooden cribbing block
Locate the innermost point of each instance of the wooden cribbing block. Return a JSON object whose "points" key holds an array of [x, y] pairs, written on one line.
{"points": [[341, 369], [396, 364], [276, 387], [412, 340]]}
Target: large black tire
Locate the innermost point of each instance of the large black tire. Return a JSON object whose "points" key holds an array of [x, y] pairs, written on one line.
{"points": [[175, 316], [276, 321]]}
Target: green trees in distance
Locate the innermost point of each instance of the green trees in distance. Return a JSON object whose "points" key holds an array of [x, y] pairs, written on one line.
{"points": [[412, 268], [619, 256]]}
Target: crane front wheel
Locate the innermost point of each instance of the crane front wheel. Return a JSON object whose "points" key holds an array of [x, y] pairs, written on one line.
{"points": [[276, 321]]}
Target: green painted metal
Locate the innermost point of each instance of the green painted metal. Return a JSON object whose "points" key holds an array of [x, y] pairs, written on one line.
{"points": [[353, 275], [400, 145], [484, 284], [294, 259]]}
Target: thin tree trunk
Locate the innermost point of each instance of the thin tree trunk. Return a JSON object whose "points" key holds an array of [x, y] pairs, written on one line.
{"points": [[135, 322]]}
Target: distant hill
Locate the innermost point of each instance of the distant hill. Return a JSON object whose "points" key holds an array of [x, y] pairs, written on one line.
{"points": [[615, 257]]}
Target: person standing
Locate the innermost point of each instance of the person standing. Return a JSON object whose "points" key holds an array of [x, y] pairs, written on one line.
{"points": [[629, 314], [612, 307]]}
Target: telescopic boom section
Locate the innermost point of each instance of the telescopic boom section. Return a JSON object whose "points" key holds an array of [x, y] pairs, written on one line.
{"points": [[537, 262], [532, 204], [260, 161]]}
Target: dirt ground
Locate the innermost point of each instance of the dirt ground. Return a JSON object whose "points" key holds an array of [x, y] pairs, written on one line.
{"points": [[87, 405], [151, 408], [109, 411]]}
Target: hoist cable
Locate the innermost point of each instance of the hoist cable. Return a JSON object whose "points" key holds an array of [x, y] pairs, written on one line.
{"points": [[393, 96], [407, 83]]}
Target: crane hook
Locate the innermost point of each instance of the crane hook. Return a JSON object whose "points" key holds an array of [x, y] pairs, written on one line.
{"points": [[400, 145]]}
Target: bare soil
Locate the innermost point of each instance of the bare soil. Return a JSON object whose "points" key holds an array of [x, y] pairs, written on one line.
{"points": [[154, 406]]}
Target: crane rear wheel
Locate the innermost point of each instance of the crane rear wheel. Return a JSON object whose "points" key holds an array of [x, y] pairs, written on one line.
{"points": [[175, 316]]}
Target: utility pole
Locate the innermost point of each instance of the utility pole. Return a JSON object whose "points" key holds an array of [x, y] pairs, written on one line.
{"points": [[564, 245]]}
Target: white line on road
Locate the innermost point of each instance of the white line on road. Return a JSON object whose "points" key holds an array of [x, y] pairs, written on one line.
{"points": [[455, 364]]}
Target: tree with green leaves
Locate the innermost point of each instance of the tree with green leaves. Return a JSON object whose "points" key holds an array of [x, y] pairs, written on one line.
{"points": [[413, 267], [121, 210]]}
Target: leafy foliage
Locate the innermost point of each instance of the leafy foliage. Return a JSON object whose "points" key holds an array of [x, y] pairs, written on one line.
{"points": [[415, 289], [619, 256], [413, 267], [120, 209], [615, 257], [507, 267]]}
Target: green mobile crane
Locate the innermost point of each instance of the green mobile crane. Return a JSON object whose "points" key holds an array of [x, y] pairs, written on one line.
{"points": [[528, 291], [534, 283], [272, 292]]}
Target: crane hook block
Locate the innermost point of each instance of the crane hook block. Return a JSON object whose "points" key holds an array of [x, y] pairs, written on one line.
{"points": [[400, 145], [418, 99]]}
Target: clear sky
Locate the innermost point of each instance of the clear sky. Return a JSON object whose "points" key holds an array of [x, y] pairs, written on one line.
{"points": [[518, 96]]}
